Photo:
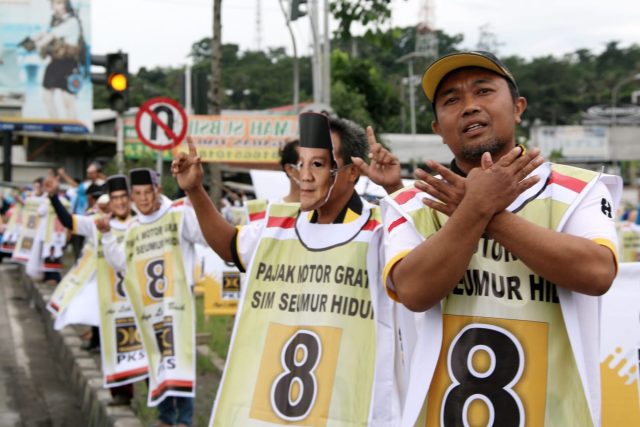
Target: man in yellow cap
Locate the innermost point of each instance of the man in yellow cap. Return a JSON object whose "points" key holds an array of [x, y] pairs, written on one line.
{"points": [[503, 258]]}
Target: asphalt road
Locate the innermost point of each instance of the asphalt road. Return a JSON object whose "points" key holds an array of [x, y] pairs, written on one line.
{"points": [[33, 389]]}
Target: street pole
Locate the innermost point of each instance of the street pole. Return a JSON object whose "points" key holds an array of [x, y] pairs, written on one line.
{"points": [[296, 68], [159, 162], [326, 81], [215, 101], [409, 58], [187, 90], [316, 66], [120, 143], [6, 156], [412, 98]]}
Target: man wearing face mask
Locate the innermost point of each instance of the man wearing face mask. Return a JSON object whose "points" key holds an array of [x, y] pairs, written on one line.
{"points": [[156, 261], [305, 340]]}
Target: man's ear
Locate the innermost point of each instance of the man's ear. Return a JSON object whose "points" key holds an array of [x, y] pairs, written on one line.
{"points": [[519, 108], [435, 127], [354, 173], [289, 170]]}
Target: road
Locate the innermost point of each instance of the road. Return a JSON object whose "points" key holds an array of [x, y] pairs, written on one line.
{"points": [[33, 389]]}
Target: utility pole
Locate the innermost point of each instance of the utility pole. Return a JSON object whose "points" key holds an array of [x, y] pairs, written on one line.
{"points": [[120, 142], [216, 48], [326, 57], [426, 48], [296, 68], [215, 171], [316, 64]]}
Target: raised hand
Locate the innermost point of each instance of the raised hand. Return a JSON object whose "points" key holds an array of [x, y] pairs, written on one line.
{"points": [[384, 168], [448, 191], [187, 168], [102, 223], [494, 186], [50, 185]]}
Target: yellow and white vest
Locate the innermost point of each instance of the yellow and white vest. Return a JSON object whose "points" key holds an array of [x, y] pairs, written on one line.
{"points": [[303, 350], [506, 336], [158, 286]]}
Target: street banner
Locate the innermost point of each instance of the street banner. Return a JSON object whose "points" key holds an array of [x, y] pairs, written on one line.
{"points": [[221, 282], [156, 284], [240, 139], [620, 347], [45, 78], [124, 360], [28, 232]]}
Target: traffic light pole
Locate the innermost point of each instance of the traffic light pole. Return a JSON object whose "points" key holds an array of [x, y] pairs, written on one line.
{"points": [[120, 143], [159, 162]]}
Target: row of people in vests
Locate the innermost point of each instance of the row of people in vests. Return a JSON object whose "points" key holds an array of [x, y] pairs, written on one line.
{"points": [[458, 301]]}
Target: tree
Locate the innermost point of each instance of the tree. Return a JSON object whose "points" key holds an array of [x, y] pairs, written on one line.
{"points": [[365, 12]]}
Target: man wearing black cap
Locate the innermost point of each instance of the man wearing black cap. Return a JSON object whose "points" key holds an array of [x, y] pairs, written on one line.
{"points": [[503, 258], [305, 344], [156, 260], [91, 292]]}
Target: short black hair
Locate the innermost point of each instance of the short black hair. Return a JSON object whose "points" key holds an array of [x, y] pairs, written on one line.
{"points": [[95, 191], [513, 90], [289, 153], [353, 138]]}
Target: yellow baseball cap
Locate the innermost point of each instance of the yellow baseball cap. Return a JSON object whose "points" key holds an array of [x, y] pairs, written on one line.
{"points": [[441, 67]]}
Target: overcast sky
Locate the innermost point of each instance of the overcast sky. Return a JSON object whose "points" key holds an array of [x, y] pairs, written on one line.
{"points": [[160, 32]]}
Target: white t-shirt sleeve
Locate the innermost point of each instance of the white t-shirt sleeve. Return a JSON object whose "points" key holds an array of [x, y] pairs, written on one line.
{"points": [[191, 228], [83, 225], [247, 241], [400, 237], [594, 218], [43, 208], [114, 253]]}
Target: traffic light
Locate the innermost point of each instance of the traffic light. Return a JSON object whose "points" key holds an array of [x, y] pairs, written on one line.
{"points": [[116, 78], [296, 10]]}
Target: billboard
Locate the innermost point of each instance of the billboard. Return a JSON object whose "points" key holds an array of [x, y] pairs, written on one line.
{"points": [[45, 79]]}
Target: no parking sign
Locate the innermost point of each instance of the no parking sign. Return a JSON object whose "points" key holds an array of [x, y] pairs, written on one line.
{"points": [[161, 123]]}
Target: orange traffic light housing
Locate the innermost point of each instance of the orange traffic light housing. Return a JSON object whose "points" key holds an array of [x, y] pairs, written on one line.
{"points": [[118, 81]]}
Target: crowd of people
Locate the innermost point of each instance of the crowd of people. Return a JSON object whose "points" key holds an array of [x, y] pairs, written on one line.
{"points": [[468, 298]]}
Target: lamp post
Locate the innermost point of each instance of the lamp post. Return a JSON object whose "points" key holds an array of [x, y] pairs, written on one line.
{"points": [[614, 95]]}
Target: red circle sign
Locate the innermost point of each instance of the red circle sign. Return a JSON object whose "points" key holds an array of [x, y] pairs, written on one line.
{"points": [[161, 123]]}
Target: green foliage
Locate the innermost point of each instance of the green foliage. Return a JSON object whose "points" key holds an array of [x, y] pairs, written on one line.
{"points": [[369, 85], [218, 327], [365, 12], [362, 92]]}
